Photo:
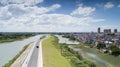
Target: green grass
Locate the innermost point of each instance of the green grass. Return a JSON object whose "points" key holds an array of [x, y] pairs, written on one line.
{"points": [[58, 55], [51, 55]]}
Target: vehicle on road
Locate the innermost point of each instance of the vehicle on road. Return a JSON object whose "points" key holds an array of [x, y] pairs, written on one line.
{"points": [[37, 46]]}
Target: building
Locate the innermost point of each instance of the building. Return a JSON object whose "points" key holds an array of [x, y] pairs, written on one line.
{"points": [[108, 31], [115, 30], [99, 30]]}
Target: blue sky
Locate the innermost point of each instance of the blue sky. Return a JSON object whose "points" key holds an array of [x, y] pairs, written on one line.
{"points": [[58, 15]]}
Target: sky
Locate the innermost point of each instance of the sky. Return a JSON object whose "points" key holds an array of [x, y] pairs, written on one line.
{"points": [[59, 15]]}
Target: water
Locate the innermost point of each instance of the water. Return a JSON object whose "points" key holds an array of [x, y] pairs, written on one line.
{"points": [[66, 40], [85, 53], [93, 57], [10, 49]]}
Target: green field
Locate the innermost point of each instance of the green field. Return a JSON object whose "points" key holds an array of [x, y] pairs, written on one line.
{"points": [[52, 56]]}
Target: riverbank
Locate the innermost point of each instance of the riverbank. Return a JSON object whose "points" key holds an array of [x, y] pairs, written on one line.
{"points": [[19, 58], [53, 51], [13, 37], [51, 55], [93, 54]]}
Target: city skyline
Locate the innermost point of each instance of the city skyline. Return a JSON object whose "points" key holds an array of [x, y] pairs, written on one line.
{"points": [[58, 15]]}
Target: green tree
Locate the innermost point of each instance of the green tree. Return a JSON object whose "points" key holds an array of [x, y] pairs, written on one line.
{"points": [[115, 50], [101, 45]]}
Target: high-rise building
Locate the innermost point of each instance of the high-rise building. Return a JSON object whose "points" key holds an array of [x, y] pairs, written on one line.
{"points": [[99, 30], [107, 31], [115, 30]]}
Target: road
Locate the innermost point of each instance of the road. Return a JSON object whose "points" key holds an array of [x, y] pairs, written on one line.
{"points": [[34, 57]]}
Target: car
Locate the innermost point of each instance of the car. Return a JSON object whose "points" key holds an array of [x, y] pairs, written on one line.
{"points": [[37, 46]]}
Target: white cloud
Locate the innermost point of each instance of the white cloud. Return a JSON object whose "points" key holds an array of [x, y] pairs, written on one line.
{"points": [[55, 6], [61, 19], [26, 2], [119, 5], [48, 22], [85, 11], [18, 17], [15, 10], [112, 27], [109, 5], [4, 14]]}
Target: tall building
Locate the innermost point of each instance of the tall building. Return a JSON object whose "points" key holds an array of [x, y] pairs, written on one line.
{"points": [[99, 30], [108, 31], [115, 30], [105, 31]]}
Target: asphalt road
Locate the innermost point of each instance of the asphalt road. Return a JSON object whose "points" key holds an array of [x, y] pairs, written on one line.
{"points": [[34, 56]]}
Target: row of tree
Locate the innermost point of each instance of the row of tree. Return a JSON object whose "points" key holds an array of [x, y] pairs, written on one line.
{"points": [[13, 36]]}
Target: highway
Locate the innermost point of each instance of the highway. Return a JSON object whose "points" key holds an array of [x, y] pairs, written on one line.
{"points": [[34, 57]]}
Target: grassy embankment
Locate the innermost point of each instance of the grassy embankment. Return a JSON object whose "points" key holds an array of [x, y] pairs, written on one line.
{"points": [[75, 57], [51, 55], [55, 54], [112, 61], [13, 37], [13, 60]]}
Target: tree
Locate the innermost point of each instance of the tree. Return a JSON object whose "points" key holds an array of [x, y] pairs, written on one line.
{"points": [[115, 50], [101, 45]]}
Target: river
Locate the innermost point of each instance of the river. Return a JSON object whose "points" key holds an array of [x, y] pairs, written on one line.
{"points": [[92, 54], [66, 40], [9, 50]]}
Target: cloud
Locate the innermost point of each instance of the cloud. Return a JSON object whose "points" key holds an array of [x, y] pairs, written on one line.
{"points": [[118, 5], [61, 19], [15, 10], [85, 11], [26, 2], [109, 5], [18, 17], [4, 14], [48, 22], [112, 27]]}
